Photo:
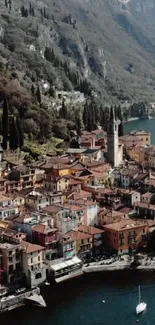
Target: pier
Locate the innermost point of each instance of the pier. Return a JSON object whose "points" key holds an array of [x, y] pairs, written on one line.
{"points": [[17, 300]]}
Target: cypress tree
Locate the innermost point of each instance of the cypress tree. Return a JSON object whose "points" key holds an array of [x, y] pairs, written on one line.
{"points": [[63, 112], [14, 135], [20, 132], [85, 113], [120, 129], [33, 12], [5, 123], [38, 95], [32, 89], [30, 9], [79, 122], [6, 3]]}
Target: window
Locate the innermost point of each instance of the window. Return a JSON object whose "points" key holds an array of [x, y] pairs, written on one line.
{"points": [[18, 267], [10, 268], [32, 268], [146, 139], [82, 241], [143, 231], [31, 260], [39, 258], [10, 259], [47, 199]]}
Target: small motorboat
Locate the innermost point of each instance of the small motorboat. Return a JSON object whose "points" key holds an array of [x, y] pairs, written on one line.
{"points": [[141, 307], [47, 283], [20, 290]]}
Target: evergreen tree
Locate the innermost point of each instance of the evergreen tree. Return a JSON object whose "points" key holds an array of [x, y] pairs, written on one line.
{"points": [[20, 132], [38, 95], [44, 13], [14, 135], [6, 3], [63, 112], [5, 123], [33, 12], [33, 89], [30, 9], [120, 129], [79, 122], [85, 113]]}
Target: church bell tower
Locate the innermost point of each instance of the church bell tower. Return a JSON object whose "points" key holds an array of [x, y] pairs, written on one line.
{"points": [[112, 139]]}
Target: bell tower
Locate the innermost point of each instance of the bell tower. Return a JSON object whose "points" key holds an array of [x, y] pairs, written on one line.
{"points": [[112, 139]]}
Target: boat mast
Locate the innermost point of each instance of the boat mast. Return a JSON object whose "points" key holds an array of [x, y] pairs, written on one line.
{"points": [[139, 293]]}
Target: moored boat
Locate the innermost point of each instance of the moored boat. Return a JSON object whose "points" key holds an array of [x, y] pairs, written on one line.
{"points": [[141, 307]]}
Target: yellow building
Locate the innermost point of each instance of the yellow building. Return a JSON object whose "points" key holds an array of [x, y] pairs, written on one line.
{"points": [[144, 136], [83, 241], [56, 184]]}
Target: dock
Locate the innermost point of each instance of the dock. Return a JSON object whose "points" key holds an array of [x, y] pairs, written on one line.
{"points": [[18, 300]]}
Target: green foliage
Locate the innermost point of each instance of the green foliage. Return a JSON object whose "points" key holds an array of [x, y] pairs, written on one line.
{"points": [[5, 123], [14, 135]]}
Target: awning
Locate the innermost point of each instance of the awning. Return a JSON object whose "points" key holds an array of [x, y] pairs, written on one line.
{"points": [[70, 262], [76, 260], [62, 265], [56, 267]]}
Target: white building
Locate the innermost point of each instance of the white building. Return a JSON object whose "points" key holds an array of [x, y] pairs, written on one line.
{"points": [[33, 267]]}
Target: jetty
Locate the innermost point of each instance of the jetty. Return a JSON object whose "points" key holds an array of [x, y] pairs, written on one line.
{"points": [[17, 300]]}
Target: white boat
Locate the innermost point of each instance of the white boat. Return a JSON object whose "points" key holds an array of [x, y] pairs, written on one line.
{"points": [[141, 305], [47, 283], [20, 290]]}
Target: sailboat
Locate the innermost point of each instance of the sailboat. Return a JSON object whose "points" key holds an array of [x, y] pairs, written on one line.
{"points": [[141, 305]]}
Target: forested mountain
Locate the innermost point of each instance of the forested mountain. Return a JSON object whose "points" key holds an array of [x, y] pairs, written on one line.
{"points": [[103, 45]]}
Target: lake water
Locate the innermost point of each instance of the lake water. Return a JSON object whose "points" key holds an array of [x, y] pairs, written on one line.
{"points": [[142, 124], [79, 302]]}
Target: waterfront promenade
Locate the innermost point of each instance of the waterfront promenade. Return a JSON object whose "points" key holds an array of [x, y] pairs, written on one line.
{"points": [[124, 263]]}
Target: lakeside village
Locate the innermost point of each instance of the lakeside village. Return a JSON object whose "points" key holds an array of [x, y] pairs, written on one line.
{"points": [[91, 209]]}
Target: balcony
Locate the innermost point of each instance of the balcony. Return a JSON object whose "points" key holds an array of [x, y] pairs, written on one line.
{"points": [[68, 249]]}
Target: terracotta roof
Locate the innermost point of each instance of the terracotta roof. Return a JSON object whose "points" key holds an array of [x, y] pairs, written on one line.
{"points": [[52, 209], [73, 181], [125, 210], [125, 224], [31, 248], [86, 202], [146, 206], [80, 194], [90, 230], [147, 194], [78, 235], [73, 207], [151, 182], [42, 229], [141, 176]]}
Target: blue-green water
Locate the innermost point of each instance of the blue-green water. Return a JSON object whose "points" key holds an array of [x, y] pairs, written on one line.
{"points": [[79, 302], [142, 124]]}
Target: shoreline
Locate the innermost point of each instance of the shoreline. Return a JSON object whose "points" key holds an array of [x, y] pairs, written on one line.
{"points": [[131, 119], [105, 269]]}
